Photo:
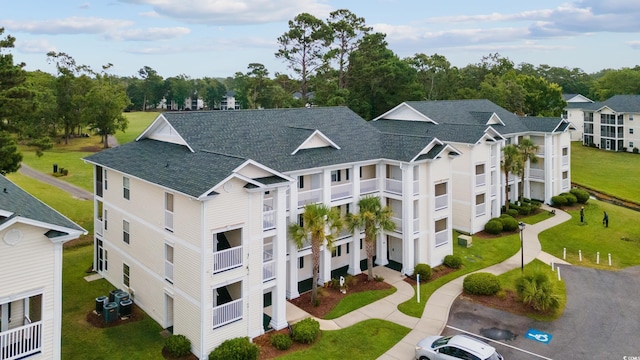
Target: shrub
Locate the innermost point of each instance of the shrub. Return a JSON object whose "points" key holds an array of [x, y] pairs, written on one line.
{"points": [[558, 201], [378, 278], [509, 223], [635, 150], [571, 199], [581, 195], [178, 345], [525, 209], [350, 281], [305, 331], [424, 270], [538, 291], [333, 283], [281, 341], [453, 261], [493, 226], [481, 283], [235, 349], [512, 212]]}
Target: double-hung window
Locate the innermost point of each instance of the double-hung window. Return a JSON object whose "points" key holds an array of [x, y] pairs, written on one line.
{"points": [[125, 187]]}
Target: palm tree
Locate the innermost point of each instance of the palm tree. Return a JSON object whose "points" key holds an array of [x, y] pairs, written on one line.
{"points": [[528, 150], [320, 223], [510, 164], [373, 218]]}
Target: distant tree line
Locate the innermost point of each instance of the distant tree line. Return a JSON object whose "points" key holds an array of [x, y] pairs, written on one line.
{"points": [[334, 61]]}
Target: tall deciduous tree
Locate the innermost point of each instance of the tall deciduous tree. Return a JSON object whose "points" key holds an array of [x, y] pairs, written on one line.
{"points": [[152, 87], [509, 165], [372, 218], [105, 103], [435, 75], [213, 92], [320, 225], [304, 46]]}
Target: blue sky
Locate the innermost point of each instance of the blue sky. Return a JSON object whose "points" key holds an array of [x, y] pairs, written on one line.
{"points": [[218, 38]]}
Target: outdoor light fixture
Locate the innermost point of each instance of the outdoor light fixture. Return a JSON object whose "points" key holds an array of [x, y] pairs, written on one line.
{"points": [[521, 224]]}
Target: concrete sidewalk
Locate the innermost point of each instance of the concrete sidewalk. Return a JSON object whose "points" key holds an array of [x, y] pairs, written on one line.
{"points": [[436, 311]]}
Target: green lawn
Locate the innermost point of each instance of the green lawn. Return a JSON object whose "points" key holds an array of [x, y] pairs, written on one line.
{"points": [[609, 172], [358, 300], [80, 340], [138, 121], [483, 253], [508, 282], [365, 340], [621, 238]]}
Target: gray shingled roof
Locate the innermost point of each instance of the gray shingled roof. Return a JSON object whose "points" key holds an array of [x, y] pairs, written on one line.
{"points": [[618, 103], [20, 203], [543, 124], [223, 140], [461, 133]]}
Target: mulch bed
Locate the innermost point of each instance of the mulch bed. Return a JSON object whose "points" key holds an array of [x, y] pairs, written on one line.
{"points": [[168, 356], [98, 320], [438, 271], [329, 297], [510, 302], [269, 352]]}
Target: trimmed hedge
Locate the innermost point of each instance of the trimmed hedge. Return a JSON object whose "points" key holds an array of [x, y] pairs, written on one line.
{"points": [[582, 196], [453, 261], [509, 223], [558, 201], [178, 345], [424, 270], [281, 341], [493, 226], [571, 199], [481, 283], [305, 331], [512, 212], [235, 349]]}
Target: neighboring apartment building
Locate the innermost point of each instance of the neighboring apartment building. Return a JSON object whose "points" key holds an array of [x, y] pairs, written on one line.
{"points": [[192, 217], [610, 124], [31, 239], [573, 113], [479, 129]]}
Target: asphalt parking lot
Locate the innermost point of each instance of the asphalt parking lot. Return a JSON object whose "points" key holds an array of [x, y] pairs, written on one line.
{"points": [[601, 320]]}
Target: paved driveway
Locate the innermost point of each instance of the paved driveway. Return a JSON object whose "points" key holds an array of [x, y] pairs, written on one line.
{"points": [[601, 319]]}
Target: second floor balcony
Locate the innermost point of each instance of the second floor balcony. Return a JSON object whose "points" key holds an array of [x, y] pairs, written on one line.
{"points": [[21, 342], [227, 259]]}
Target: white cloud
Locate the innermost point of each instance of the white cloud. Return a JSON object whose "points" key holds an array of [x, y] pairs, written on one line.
{"points": [[634, 44], [215, 44], [38, 46], [150, 34], [234, 12], [72, 25], [149, 14]]}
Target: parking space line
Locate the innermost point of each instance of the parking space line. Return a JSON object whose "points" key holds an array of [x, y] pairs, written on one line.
{"points": [[498, 342]]}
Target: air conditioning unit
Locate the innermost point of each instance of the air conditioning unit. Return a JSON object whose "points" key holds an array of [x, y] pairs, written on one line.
{"points": [[465, 240]]}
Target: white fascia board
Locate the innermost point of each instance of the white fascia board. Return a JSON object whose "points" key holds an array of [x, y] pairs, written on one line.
{"points": [[155, 124], [314, 134], [72, 233], [405, 105]]}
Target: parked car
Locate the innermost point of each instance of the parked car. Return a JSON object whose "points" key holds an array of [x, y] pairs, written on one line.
{"points": [[455, 347]]}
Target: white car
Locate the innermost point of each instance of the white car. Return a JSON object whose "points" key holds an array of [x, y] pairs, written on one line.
{"points": [[455, 347]]}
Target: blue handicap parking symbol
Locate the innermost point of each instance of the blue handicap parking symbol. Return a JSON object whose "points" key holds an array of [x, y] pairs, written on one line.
{"points": [[538, 335]]}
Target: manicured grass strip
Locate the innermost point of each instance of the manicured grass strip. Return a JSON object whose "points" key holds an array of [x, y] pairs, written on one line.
{"points": [[621, 238], [610, 172], [534, 219], [79, 211], [80, 340], [365, 340], [355, 301], [508, 282], [483, 253], [138, 121]]}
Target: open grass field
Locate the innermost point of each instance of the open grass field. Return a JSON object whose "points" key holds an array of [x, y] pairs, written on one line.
{"points": [[621, 238], [609, 172], [138, 121]]}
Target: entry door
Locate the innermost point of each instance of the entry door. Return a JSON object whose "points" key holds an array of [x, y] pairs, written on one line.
{"points": [[168, 304], [395, 249]]}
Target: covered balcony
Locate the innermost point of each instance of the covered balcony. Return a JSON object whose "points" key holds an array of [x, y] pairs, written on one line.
{"points": [[227, 250], [441, 196], [481, 177], [309, 189], [227, 304], [268, 262], [21, 328], [368, 180], [393, 181], [268, 213]]}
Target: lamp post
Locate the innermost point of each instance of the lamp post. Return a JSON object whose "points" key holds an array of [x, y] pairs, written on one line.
{"points": [[521, 224]]}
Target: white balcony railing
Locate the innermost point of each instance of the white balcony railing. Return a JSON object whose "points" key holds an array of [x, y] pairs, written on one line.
{"points": [[168, 271], [481, 209], [398, 223], [268, 270], [416, 187], [565, 160], [268, 220], [341, 191], [442, 237], [227, 313], [442, 201], [536, 174], [565, 184], [393, 186], [368, 186], [416, 226], [494, 190], [97, 226], [168, 220], [227, 259], [21, 342], [481, 179], [309, 197], [494, 161]]}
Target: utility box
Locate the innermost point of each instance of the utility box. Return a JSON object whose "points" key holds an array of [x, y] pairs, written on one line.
{"points": [[110, 313], [100, 302], [464, 240]]}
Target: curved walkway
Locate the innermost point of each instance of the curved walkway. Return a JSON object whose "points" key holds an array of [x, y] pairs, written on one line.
{"points": [[436, 311]]}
